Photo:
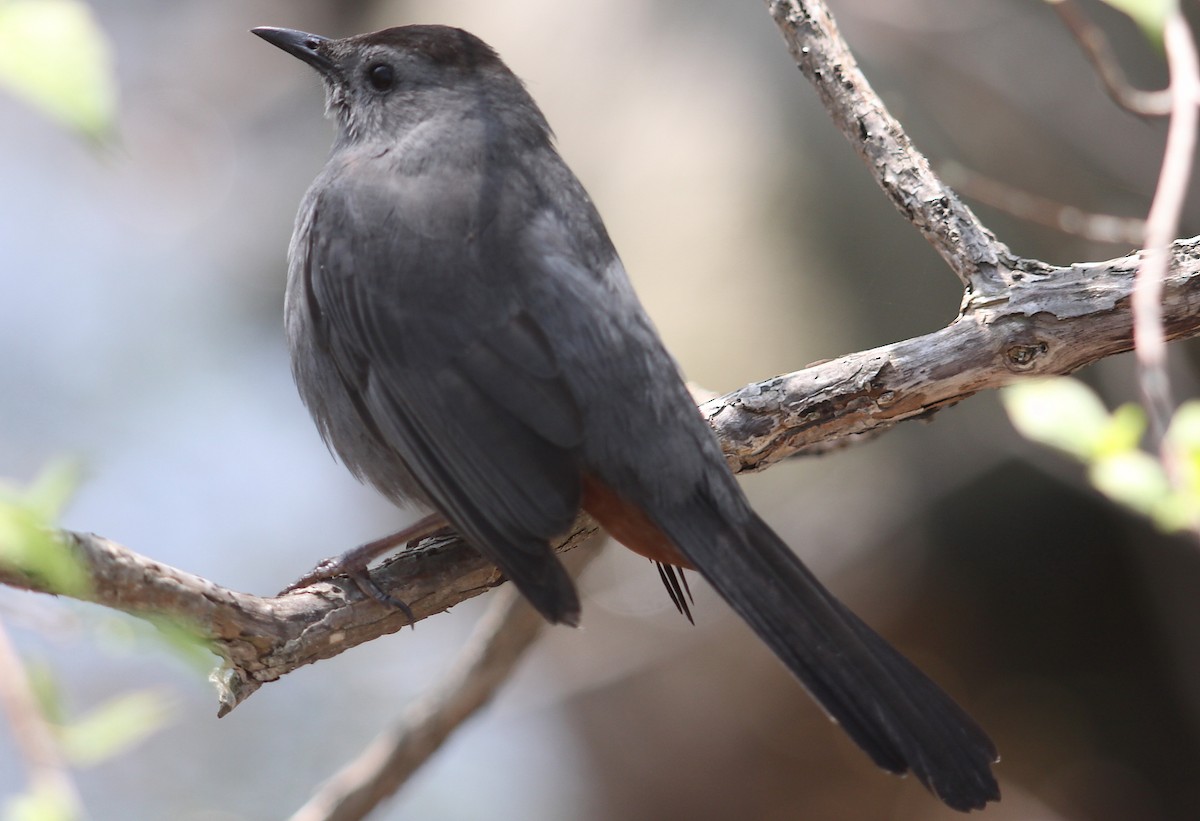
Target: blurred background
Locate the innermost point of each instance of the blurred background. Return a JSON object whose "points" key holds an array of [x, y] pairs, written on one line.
{"points": [[140, 332]]}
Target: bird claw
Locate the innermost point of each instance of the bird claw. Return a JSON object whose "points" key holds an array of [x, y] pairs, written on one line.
{"points": [[326, 570], [353, 563], [346, 565], [366, 585]]}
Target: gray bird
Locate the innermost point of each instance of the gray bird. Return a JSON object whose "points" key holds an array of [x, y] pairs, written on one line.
{"points": [[465, 336]]}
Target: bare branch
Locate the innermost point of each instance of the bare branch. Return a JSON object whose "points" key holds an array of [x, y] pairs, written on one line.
{"points": [[1051, 321], [1127, 231], [903, 173], [261, 639], [1095, 47]]}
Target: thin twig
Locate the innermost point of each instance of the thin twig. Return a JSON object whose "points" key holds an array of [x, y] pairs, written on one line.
{"points": [[1068, 219], [49, 776], [1161, 225], [1094, 43]]}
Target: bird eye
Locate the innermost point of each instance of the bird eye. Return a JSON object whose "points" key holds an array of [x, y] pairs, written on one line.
{"points": [[381, 76]]}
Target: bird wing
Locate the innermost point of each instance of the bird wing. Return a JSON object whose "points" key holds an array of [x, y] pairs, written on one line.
{"points": [[449, 372], [648, 444], [502, 367]]}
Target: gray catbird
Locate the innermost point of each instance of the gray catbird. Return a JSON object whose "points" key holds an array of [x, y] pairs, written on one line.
{"points": [[465, 336]]}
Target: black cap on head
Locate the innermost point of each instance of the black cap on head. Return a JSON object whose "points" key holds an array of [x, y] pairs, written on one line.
{"points": [[442, 45]]}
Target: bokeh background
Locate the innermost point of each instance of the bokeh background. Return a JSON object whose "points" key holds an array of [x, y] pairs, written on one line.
{"points": [[140, 302]]}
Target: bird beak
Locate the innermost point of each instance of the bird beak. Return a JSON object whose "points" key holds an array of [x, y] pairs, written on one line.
{"points": [[308, 47]]}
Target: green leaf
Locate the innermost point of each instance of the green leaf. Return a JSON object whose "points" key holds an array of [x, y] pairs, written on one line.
{"points": [[1150, 15], [55, 56], [125, 634], [1063, 413], [44, 684], [1184, 431], [114, 727], [1124, 430], [52, 489], [1133, 478], [28, 539], [44, 804], [1183, 439]]}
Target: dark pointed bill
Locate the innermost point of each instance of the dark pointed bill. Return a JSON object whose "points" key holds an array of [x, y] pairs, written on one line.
{"points": [[301, 44]]}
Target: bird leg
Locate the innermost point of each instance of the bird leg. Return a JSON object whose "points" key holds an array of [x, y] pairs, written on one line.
{"points": [[353, 563]]}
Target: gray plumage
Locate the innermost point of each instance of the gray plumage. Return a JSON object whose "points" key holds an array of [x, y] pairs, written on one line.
{"points": [[465, 336]]}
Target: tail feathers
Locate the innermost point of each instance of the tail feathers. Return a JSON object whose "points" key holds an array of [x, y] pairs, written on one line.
{"points": [[540, 577], [677, 588], [890, 708]]}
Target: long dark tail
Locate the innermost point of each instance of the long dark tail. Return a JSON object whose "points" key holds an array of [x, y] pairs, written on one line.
{"points": [[898, 716]]}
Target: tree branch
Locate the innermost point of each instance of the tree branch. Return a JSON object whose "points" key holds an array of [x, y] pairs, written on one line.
{"points": [[1052, 321], [1066, 219], [1019, 317], [903, 173]]}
